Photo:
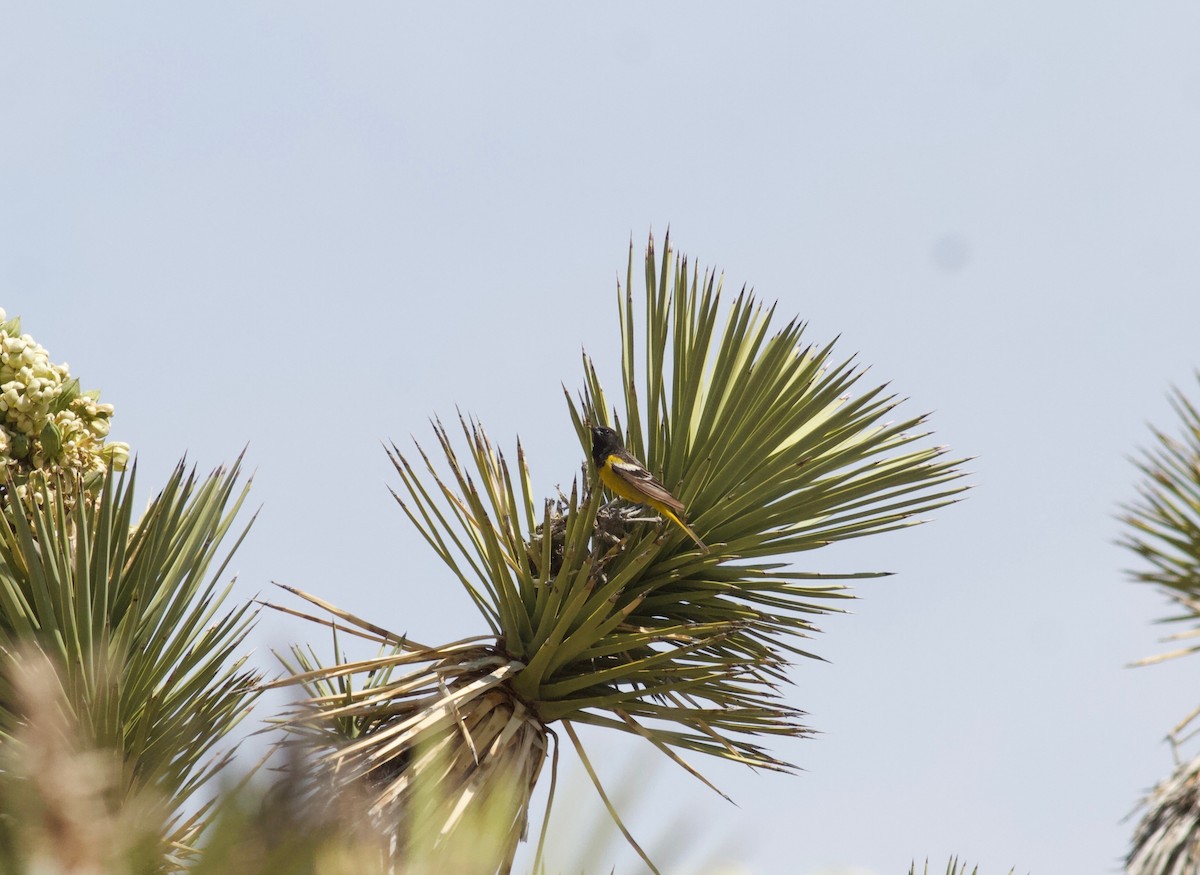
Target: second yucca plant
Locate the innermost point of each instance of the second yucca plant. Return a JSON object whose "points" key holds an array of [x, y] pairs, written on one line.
{"points": [[596, 612], [1162, 527]]}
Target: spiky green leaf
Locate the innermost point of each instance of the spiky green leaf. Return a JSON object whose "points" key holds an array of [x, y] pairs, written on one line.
{"points": [[1162, 527]]}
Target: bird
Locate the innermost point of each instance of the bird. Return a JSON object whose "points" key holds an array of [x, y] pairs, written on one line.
{"points": [[627, 477]]}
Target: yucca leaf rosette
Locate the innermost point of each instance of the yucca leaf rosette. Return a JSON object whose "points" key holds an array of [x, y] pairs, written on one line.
{"points": [[123, 603], [596, 611]]}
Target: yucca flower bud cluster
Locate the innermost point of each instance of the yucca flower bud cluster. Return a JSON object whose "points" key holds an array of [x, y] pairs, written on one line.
{"points": [[48, 426]]}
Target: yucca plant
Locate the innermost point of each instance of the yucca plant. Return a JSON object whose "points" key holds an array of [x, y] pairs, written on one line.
{"points": [[129, 612], [1163, 530], [118, 677], [596, 613]]}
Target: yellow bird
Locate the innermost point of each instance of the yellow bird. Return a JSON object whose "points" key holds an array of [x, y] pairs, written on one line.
{"points": [[628, 478]]}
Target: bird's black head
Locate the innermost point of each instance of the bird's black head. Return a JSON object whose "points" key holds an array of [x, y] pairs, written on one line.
{"points": [[605, 442]]}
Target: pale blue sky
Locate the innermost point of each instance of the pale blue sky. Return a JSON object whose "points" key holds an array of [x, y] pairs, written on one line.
{"points": [[309, 227]]}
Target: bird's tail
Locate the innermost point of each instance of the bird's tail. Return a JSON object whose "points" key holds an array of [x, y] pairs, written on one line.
{"points": [[691, 534]]}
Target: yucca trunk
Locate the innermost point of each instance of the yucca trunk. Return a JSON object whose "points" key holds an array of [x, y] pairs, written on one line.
{"points": [[1167, 839], [445, 760]]}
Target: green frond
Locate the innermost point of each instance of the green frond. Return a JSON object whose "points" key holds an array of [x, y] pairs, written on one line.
{"points": [[1163, 524], [760, 437]]}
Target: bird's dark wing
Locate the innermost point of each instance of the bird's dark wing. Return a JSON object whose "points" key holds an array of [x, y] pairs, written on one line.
{"points": [[635, 474]]}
